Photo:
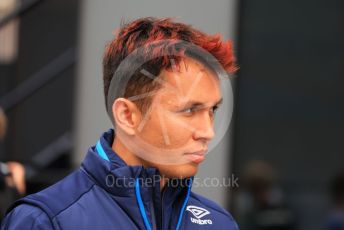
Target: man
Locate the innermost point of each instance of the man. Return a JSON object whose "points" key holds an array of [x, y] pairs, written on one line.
{"points": [[161, 84]]}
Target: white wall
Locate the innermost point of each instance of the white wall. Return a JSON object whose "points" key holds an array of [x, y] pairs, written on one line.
{"points": [[98, 19]]}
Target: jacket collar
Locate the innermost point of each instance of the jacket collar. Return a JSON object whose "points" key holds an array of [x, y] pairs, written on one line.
{"points": [[118, 178]]}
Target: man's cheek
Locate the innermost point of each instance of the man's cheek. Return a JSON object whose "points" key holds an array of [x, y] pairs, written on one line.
{"points": [[179, 121]]}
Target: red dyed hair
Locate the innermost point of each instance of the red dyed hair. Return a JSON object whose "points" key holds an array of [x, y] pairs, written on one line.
{"points": [[146, 31]]}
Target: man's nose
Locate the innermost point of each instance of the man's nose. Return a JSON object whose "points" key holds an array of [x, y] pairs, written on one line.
{"points": [[205, 127]]}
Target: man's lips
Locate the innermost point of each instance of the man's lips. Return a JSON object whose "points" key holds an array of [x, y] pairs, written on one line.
{"points": [[196, 157]]}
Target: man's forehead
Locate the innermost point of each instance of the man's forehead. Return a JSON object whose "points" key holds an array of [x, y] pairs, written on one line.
{"points": [[203, 94], [188, 82]]}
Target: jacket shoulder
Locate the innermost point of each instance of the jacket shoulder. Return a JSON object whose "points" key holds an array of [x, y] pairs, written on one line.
{"points": [[26, 217], [221, 214], [59, 196]]}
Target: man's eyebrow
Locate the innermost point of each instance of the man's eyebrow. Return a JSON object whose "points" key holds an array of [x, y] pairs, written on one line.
{"points": [[201, 104], [219, 102]]}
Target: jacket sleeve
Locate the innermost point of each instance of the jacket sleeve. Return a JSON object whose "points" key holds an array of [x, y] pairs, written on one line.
{"points": [[26, 217]]}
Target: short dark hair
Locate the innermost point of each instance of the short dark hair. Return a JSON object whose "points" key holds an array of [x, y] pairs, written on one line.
{"points": [[144, 31]]}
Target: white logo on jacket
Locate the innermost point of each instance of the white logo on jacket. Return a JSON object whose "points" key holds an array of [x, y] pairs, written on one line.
{"points": [[198, 212]]}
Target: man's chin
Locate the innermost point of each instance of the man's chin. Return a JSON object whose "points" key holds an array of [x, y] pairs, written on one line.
{"points": [[179, 171]]}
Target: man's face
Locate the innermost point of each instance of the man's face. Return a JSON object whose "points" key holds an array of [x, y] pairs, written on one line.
{"points": [[175, 132]]}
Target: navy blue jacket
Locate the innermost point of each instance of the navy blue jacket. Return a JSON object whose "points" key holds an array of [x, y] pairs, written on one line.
{"points": [[106, 193]]}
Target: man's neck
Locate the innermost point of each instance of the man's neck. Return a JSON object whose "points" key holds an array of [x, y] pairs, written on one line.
{"points": [[131, 159], [123, 152]]}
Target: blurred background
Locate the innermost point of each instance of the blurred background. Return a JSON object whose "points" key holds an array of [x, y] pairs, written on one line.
{"points": [[285, 140]]}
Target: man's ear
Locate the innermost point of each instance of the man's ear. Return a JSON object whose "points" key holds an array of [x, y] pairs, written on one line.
{"points": [[126, 115]]}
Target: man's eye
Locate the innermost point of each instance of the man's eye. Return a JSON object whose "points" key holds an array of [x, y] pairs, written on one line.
{"points": [[214, 109], [188, 110]]}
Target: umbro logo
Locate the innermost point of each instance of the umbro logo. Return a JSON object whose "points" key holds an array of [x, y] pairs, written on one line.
{"points": [[198, 212]]}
